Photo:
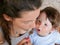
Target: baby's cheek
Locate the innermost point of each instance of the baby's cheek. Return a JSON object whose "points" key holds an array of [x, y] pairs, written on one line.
{"points": [[49, 28]]}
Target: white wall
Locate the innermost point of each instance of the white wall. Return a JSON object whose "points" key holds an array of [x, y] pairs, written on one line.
{"points": [[53, 3]]}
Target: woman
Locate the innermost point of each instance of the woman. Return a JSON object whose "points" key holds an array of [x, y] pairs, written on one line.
{"points": [[16, 18]]}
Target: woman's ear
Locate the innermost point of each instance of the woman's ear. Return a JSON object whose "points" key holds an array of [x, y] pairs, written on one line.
{"points": [[7, 18]]}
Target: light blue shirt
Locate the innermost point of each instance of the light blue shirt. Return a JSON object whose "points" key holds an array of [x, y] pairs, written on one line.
{"points": [[50, 39]]}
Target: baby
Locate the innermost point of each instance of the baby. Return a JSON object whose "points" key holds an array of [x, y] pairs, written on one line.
{"points": [[46, 32]]}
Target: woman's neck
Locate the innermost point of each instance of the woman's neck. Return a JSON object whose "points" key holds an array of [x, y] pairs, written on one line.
{"points": [[17, 31]]}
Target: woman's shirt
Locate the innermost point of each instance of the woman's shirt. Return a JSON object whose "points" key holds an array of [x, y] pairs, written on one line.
{"points": [[50, 39], [15, 40]]}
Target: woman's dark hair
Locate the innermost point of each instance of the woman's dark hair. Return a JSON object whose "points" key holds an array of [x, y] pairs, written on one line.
{"points": [[53, 15], [11, 9]]}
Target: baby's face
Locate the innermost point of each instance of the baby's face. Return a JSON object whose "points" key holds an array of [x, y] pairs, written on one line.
{"points": [[44, 25]]}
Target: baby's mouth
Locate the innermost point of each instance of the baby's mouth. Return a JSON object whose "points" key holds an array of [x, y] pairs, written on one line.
{"points": [[38, 29]]}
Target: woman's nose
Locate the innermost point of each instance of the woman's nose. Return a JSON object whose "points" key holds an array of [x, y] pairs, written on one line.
{"points": [[33, 24]]}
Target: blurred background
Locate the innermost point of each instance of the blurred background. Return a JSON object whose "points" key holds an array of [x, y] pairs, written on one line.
{"points": [[53, 3]]}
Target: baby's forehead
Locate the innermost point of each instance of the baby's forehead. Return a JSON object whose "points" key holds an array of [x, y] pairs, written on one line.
{"points": [[43, 15], [42, 18]]}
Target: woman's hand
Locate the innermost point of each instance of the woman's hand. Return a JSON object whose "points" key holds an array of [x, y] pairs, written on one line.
{"points": [[25, 41]]}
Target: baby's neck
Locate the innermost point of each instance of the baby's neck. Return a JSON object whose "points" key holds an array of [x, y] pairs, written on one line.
{"points": [[41, 35]]}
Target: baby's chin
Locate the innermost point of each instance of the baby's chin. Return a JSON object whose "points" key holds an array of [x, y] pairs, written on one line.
{"points": [[42, 34]]}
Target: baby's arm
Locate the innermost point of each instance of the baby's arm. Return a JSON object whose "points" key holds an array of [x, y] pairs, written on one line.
{"points": [[58, 39]]}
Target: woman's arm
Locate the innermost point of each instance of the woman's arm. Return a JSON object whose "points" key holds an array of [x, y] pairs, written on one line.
{"points": [[1, 38]]}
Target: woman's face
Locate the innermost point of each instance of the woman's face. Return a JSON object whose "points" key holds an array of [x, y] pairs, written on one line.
{"points": [[27, 21], [44, 26]]}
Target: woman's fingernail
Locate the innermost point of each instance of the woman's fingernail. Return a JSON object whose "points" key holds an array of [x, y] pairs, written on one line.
{"points": [[26, 38]]}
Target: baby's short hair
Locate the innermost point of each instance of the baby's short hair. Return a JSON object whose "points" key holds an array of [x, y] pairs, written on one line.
{"points": [[53, 15]]}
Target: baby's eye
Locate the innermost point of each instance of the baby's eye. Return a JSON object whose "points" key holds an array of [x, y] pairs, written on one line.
{"points": [[45, 24], [39, 22]]}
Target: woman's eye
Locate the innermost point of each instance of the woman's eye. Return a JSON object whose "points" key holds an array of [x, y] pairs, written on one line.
{"points": [[26, 22], [45, 24]]}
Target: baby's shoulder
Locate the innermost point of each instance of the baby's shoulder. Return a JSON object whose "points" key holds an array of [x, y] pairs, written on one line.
{"points": [[56, 33]]}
